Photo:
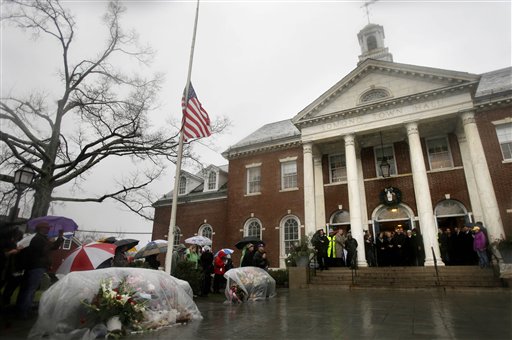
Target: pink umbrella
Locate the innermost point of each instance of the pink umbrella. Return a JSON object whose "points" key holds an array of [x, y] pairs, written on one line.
{"points": [[87, 257]]}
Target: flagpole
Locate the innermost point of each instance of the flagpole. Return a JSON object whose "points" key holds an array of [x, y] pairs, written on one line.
{"points": [[172, 223]]}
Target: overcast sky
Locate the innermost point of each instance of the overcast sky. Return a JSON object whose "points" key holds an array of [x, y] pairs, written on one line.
{"points": [[258, 62]]}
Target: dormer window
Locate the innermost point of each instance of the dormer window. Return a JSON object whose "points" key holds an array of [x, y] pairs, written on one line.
{"points": [[183, 186], [373, 95], [212, 180]]}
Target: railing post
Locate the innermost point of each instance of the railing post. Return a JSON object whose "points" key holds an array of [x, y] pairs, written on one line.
{"points": [[438, 283]]}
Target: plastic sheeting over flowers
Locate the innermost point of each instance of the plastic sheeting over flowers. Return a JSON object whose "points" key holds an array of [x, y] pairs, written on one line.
{"points": [[63, 314], [249, 284]]}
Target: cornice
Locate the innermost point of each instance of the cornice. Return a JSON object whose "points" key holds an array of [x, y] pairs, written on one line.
{"points": [[262, 147], [493, 101], [390, 103]]}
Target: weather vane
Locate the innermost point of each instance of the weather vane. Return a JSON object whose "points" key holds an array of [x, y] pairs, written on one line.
{"points": [[366, 5]]}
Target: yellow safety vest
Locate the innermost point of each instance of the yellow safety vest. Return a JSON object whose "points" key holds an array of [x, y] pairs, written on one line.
{"points": [[331, 251]]}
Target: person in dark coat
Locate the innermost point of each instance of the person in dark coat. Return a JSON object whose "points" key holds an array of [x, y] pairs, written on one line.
{"points": [[248, 255], [399, 240], [382, 250], [206, 261], [260, 257], [36, 265], [351, 246], [409, 250], [321, 243], [152, 261], [369, 249], [420, 250]]}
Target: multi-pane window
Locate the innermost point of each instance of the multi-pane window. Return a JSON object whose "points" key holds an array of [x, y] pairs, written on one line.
{"points": [[254, 180], [439, 153], [337, 168], [504, 132], [291, 233], [212, 180], [177, 236], [385, 152], [183, 185], [206, 230], [66, 244], [288, 175], [253, 228]]}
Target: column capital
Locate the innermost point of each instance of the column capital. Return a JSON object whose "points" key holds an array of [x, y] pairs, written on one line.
{"points": [[468, 117], [412, 128], [350, 139], [307, 147]]}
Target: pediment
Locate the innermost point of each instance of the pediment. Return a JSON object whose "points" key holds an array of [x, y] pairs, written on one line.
{"points": [[376, 81]]}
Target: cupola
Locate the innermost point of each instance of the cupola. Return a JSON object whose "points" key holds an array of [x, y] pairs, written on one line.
{"points": [[371, 41]]}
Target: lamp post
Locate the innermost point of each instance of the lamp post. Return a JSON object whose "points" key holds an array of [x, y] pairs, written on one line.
{"points": [[23, 177]]}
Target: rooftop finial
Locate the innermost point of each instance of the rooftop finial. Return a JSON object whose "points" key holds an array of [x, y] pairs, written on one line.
{"points": [[366, 5]]}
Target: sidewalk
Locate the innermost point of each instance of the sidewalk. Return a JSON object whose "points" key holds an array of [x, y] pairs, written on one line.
{"points": [[344, 314]]}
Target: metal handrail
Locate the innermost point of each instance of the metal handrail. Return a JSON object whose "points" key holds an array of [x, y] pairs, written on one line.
{"points": [[438, 283]]}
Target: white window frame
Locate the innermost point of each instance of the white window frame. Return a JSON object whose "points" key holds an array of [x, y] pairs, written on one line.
{"points": [[177, 235], [283, 233], [182, 187], [249, 223], [66, 244], [288, 177], [250, 168], [378, 156], [449, 151], [331, 177], [213, 177], [202, 229], [504, 138]]}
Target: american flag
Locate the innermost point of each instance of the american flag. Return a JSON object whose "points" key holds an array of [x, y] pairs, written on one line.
{"points": [[196, 123]]}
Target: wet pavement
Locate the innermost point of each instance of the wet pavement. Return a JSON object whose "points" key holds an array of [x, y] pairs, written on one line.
{"points": [[345, 314]]}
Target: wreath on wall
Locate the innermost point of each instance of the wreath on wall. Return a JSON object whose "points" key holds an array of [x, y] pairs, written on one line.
{"points": [[391, 196]]}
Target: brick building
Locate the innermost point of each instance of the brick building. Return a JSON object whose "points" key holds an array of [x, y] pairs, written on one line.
{"points": [[390, 145]]}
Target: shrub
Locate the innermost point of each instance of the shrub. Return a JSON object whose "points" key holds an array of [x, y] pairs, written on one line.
{"points": [[281, 277], [186, 270]]}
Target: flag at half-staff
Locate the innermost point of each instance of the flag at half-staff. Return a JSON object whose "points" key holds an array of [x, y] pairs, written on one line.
{"points": [[196, 123]]}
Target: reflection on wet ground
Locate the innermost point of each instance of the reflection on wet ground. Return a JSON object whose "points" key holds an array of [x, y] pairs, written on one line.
{"points": [[354, 314]]}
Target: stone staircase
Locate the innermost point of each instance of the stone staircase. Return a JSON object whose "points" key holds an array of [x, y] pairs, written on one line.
{"points": [[406, 277]]}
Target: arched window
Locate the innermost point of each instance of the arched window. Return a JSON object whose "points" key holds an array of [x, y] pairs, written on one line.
{"points": [[373, 94], [391, 218], [183, 185], [252, 227], [206, 230], [450, 214], [371, 42], [290, 232]]}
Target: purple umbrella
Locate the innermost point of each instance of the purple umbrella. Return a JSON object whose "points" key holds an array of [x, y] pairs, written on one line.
{"points": [[56, 223]]}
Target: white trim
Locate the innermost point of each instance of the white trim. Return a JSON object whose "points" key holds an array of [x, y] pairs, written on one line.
{"points": [[252, 165], [447, 140], [288, 159], [502, 121], [248, 222], [282, 254]]}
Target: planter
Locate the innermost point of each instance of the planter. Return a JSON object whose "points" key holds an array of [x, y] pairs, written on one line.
{"points": [[506, 254], [302, 261]]}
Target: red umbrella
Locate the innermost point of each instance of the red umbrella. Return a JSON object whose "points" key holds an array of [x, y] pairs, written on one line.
{"points": [[87, 257]]}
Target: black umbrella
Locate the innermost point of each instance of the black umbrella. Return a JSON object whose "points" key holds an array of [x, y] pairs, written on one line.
{"points": [[247, 239], [129, 243]]}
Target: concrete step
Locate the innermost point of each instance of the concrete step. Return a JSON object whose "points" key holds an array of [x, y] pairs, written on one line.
{"points": [[407, 277]]}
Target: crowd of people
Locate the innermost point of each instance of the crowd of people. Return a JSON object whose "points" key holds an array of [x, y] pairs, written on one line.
{"points": [[464, 246], [214, 266]]}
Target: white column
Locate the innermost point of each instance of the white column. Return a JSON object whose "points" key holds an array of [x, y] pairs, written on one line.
{"points": [[354, 199], [319, 192], [476, 205], [309, 189], [364, 211], [422, 195], [492, 218]]}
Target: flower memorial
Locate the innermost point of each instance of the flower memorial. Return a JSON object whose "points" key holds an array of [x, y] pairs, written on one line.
{"points": [[122, 302], [113, 302], [249, 284]]}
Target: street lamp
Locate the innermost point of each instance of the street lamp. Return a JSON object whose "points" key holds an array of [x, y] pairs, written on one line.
{"points": [[23, 177]]}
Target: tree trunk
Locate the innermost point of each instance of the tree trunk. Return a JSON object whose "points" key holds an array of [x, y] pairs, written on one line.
{"points": [[42, 200]]}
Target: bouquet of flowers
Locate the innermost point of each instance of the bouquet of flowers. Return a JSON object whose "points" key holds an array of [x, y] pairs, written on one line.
{"points": [[119, 308]]}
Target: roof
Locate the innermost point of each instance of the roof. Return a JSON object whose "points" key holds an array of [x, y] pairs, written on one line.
{"points": [[495, 82], [269, 132]]}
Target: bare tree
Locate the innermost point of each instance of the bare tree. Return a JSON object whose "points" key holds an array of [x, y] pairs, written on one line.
{"points": [[106, 107]]}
